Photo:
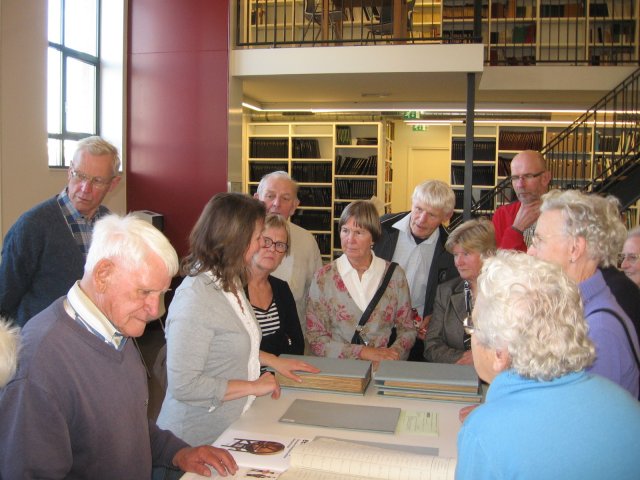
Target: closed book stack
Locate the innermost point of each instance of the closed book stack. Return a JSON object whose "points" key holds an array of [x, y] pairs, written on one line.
{"points": [[433, 381], [336, 375]]}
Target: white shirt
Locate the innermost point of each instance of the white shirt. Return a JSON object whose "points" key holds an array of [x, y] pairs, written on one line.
{"points": [[362, 289], [241, 307], [79, 306], [415, 259]]}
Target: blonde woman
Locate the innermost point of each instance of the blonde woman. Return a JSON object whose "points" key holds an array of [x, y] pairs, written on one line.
{"points": [[446, 341]]}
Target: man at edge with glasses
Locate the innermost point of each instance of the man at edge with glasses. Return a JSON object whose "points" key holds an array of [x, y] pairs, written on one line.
{"points": [[44, 252], [514, 223]]}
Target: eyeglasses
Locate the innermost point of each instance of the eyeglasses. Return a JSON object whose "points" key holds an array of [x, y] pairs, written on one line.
{"points": [[96, 182], [281, 247], [526, 176], [468, 326], [629, 257], [537, 239]]}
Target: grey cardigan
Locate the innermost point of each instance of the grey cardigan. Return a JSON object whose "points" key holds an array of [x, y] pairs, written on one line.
{"points": [[207, 345]]}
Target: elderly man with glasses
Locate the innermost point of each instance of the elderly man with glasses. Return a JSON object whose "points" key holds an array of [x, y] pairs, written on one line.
{"points": [[516, 222], [44, 251]]}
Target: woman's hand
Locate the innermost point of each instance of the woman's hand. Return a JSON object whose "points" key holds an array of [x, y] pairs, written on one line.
{"points": [[422, 327], [465, 359], [377, 354], [266, 385], [465, 411], [286, 366]]}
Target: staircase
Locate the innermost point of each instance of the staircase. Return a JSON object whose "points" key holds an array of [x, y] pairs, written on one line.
{"points": [[599, 152]]}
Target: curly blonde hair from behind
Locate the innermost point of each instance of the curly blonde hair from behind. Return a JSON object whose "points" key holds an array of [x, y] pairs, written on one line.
{"points": [[531, 309], [595, 218]]}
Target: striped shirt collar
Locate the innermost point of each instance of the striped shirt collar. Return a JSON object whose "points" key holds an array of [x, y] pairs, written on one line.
{"points": [[81, 227], [79, 306]]}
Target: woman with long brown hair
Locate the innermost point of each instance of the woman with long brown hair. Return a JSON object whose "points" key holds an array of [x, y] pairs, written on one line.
{"points": [[213, 338]]}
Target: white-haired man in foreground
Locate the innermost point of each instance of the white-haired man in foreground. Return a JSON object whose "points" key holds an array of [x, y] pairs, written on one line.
{"points": [[77, 407]]}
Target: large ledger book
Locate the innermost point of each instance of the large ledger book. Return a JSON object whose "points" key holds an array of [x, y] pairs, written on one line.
{"points": [[336, 374], [435, 381], [342, 415], [328, 459]]}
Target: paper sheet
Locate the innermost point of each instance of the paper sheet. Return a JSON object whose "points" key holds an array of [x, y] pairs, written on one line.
{"points": [[417, 423]]}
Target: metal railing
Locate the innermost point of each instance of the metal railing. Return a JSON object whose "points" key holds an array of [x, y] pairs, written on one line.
{"points": [[599, 151], [514, 32]]}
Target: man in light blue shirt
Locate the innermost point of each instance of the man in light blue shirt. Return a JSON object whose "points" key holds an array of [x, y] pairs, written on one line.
{"points": [[415, 240]]}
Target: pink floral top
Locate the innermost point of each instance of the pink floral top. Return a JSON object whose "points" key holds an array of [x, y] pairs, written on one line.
{"points": [[332, 316]]}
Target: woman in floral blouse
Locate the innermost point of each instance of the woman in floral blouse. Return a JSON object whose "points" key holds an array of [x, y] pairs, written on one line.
{"points": [[342, 290]]}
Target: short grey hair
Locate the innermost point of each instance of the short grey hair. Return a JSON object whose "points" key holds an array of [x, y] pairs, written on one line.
{"points": [[436, 194], [98, 146], [129, 239], [279, 174], [531, 309], [595, 218], [634, 232], [9, 348]]}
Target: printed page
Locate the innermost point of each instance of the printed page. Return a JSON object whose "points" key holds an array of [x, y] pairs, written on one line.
{"points": [[241, 474], [417, 423], [259, 450], [345, 458]]}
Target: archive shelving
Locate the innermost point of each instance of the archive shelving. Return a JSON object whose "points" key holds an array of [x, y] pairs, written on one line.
{"points": [[333, 163]]}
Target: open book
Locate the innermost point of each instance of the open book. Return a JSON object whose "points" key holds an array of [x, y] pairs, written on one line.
{"points": [[328, 459]]}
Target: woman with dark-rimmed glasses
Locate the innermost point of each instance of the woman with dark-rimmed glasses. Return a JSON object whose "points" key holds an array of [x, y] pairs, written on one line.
{"points": [[270, 297]]}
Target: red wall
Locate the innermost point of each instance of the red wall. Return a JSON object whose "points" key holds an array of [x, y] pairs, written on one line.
{"points": [[177, 109]]}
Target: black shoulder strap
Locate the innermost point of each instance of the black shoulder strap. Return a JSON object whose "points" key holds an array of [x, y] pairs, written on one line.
{"points": [[376, 298], [624, 327]]}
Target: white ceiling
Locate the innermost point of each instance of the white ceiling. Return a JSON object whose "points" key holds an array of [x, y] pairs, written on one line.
{"points": [[412, 77]]}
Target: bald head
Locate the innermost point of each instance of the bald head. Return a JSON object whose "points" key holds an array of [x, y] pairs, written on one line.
{"points": [[529, 176]]}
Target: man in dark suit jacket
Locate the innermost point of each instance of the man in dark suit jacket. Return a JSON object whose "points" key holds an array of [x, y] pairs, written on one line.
{"points": [[415, 240]]}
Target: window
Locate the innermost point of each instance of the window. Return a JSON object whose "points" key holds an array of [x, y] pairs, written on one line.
{"points": [[73, 76]]}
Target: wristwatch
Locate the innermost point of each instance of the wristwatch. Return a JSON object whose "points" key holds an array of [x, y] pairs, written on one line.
{"points": [[517, 230]]}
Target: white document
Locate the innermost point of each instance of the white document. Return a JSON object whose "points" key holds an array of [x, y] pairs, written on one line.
{"points": [[259, 450], [326, 459]]}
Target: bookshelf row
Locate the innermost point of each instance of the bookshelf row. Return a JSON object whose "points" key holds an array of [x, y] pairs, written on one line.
{"points": [[584, 31], [355, 166], [523, 32], [333, 163], [582, 156]]}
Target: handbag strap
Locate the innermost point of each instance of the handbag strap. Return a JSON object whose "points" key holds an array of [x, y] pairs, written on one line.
{"points": [[624, 327], [376, 297]]}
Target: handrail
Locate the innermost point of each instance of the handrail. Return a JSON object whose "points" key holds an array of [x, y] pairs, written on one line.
{"points": [[593, 153]]}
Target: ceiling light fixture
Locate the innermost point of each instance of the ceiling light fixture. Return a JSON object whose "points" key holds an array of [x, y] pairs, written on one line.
{"points": [[375, 95], [252, 107]]}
